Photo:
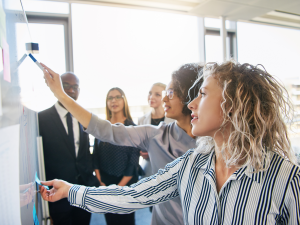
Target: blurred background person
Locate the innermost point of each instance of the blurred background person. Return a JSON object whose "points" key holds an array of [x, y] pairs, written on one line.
{"points": [[116, 164], [66, 153], [154, 117]]}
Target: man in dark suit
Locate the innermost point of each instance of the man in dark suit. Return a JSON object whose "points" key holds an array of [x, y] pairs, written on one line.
{"points": [[66, 153]]}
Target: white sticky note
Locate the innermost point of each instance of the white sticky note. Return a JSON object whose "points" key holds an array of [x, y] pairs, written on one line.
{"points": [[9, 176]]}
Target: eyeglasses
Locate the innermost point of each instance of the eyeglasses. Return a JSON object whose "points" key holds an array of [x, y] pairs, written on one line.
{"points": [[169, 93], [118, 98], [75, 87]]}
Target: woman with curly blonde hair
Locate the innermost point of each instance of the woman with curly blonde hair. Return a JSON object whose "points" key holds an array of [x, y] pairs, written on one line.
{"points": [[242, 171], [254, 106]]}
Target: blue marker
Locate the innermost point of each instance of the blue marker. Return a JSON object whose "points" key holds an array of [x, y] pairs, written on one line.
{"points": [[37, 180], [36, 62]]}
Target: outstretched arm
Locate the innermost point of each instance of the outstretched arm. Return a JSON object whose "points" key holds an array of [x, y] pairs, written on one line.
{"points": [[53, 80], [149, 191], [101, 129]]}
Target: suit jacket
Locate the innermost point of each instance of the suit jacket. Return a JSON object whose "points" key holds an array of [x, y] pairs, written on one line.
{"points": [[146, 119], [60, 159]]}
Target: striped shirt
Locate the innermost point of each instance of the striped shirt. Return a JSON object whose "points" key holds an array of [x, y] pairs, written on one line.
{"points": [[267, 197]]}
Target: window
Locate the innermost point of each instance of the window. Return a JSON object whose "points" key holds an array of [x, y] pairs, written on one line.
{"points": [[51, 36], [46, 6], [213, 40], [278, 50], [130, 49]]}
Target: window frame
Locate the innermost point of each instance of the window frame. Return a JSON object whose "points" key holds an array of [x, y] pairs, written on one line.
{"points": [[62, 19]]}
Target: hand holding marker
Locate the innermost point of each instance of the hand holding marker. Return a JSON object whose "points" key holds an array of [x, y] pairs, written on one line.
{"points": [[36, 62]]}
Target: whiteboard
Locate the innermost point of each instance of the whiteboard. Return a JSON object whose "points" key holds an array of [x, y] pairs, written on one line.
{"points": [[14, 29]]}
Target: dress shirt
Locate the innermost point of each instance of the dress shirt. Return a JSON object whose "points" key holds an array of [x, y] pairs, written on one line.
{"points": [[62, 112], [164, 143], [268, 197]]}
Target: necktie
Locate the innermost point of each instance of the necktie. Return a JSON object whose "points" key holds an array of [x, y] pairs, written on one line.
{"points": [[70, 131]]}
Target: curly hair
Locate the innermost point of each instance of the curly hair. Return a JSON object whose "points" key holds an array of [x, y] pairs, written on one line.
{"points": [[257, 106], [183, 79]]}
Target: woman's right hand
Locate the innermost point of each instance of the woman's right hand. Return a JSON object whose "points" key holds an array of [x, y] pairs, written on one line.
{"points": [[59, 191], [53, 81], [102, 184], [145, 155]]}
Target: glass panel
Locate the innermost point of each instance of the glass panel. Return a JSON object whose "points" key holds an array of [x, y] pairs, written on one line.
{"points": [[35, 95], [213, 48], [274, 47], [278, 50], [17, 184], [216, 23], [128, 48], [46, 6]]}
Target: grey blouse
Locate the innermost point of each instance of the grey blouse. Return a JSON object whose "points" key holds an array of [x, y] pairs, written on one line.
{"points": [[164, 143]]}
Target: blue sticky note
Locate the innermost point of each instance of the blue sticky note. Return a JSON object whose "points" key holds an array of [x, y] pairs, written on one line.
{"points": [[37, 180], [35, 218]]}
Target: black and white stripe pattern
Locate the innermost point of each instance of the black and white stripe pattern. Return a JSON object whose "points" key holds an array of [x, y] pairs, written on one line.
{"points": [[268, 197]]}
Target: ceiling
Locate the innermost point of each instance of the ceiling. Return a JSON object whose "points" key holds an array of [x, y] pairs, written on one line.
{"points": [[278, 12]]}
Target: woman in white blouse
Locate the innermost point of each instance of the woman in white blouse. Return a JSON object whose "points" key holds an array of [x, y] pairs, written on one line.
{"points": [[154, 117], [157, 113], [243, 170]]}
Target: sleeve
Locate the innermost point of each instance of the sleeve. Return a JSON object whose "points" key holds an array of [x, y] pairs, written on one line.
{"points": [[140, 120], [118, 134], [133, 162], [149, 191], [95, 154], [292, 201]]}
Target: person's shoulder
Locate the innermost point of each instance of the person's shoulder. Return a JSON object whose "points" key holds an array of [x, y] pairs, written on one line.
{"points": [[286, 174], [162, 126], [278, 160], [141, 120], [145, 119], [169, 125], [196, 154], [168, 120], [46, 112], [194, 159], [283, 167]]}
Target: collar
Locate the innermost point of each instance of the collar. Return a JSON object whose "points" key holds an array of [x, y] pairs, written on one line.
{"points": [[258, 177], [62, 112], [206, 162]]}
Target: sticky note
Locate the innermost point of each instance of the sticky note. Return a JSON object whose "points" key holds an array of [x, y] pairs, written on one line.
{"points": [[1, 70], [35, 217], [1, 60], [37, 180], [5, 60], [2, 25]]}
